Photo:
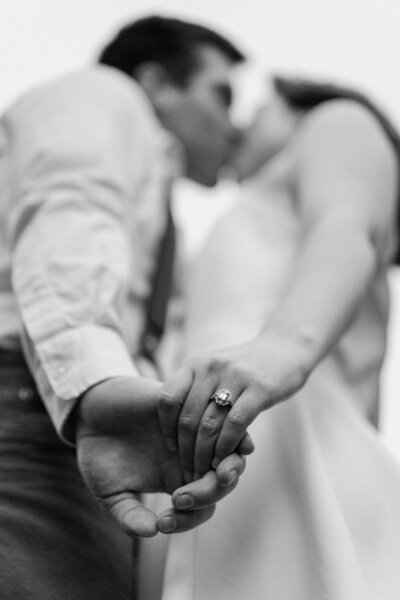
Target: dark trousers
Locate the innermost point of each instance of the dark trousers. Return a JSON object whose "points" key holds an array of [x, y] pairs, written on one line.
{"points": [[56, 542]]}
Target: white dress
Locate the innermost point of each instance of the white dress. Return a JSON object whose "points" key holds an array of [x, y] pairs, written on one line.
{"points": [[316, 515]]}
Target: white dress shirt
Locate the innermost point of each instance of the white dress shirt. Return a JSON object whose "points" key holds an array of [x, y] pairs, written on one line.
{"points": [[84, 165]]}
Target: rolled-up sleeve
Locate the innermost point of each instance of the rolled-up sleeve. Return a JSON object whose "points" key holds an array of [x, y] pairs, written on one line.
{"points": [[71, 235]]}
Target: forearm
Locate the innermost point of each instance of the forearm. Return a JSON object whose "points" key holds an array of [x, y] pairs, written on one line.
{"points": [[332, 274], [69, 269]]}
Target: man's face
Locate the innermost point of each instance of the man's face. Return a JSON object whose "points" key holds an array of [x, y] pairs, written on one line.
{"points": [[198, 114]]}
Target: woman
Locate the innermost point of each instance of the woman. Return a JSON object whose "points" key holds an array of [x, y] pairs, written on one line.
{"points": [[293, 282]]}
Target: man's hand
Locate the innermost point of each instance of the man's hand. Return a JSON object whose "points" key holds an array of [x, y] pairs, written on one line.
{"points": [[121, 453]]}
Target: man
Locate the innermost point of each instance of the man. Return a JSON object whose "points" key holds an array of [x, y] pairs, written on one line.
{"points": [[86, 165]]}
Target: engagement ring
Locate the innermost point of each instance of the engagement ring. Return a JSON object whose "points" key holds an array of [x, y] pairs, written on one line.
{"points": [[222, 397]]}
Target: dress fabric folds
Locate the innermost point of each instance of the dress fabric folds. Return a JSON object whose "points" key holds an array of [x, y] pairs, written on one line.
{"points": [[316, 515]]}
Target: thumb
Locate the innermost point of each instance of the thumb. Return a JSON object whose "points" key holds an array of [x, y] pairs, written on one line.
{"points": [[131, 515]]}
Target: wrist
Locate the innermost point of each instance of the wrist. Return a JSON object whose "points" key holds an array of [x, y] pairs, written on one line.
{"points": [[79, 417], [92, 410], [303, 340], [110, 404], [291, 359]]}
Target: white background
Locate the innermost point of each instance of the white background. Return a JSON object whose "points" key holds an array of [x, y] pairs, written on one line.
{"points": [[355, 41]]}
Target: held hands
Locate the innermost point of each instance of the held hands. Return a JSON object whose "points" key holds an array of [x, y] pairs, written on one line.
{"points": [[257, 375], [121, 453], [136, 436]]}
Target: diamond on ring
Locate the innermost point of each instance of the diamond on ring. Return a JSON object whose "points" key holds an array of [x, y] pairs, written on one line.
{"points": [[222, 397]]}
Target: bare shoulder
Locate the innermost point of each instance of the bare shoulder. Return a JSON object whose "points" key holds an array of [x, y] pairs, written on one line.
{"points": [[344, 161], [344, 124], [340, 110]]}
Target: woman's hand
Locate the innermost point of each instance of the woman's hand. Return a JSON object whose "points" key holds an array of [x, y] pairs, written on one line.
{"points": [[252, 377]]}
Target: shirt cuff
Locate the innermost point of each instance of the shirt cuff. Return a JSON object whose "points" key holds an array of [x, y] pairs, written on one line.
{"points": [[71, 362]]}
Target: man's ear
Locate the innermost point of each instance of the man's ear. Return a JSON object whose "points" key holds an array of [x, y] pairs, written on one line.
{"points": [[154, 80], [157, 84]]}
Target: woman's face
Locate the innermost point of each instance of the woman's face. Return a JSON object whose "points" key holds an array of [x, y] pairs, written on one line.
{"points": [[266, 136]]}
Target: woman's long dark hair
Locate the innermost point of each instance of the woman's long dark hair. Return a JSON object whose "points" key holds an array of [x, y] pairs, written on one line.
{"points": [[305, 94]]}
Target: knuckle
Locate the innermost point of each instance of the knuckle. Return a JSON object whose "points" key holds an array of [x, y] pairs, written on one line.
{"points": [[264, 388], [216, 365], [237, 421], [167, 401], [208, 426], [266, 394], [208, 365], [187, 424], [199, 366]]}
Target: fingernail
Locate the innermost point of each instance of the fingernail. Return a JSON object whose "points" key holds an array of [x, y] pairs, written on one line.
{"points": [[232, 476], [167, 525], [188, 476], [171, 446], [184, 501], [215, 463]]}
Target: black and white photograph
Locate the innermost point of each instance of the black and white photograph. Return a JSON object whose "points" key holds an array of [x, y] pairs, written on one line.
{"points": [[199, 300]]}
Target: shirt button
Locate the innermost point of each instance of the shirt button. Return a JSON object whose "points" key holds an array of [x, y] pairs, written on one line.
{"points": [[25, 394]]}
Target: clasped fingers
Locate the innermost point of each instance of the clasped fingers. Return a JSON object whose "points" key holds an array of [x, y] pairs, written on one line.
{"points": [[204, 412]]}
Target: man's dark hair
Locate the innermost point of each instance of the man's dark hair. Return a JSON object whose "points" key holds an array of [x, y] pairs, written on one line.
{"points": [[305, 94], [172, 43]]}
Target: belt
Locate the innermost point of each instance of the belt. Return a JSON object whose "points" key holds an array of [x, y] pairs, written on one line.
{"points": [[12, 358], [14, 371]]}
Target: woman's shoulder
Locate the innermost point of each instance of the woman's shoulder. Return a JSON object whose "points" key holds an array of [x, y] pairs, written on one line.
{"points": [[342, 119], [348, 135]]}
